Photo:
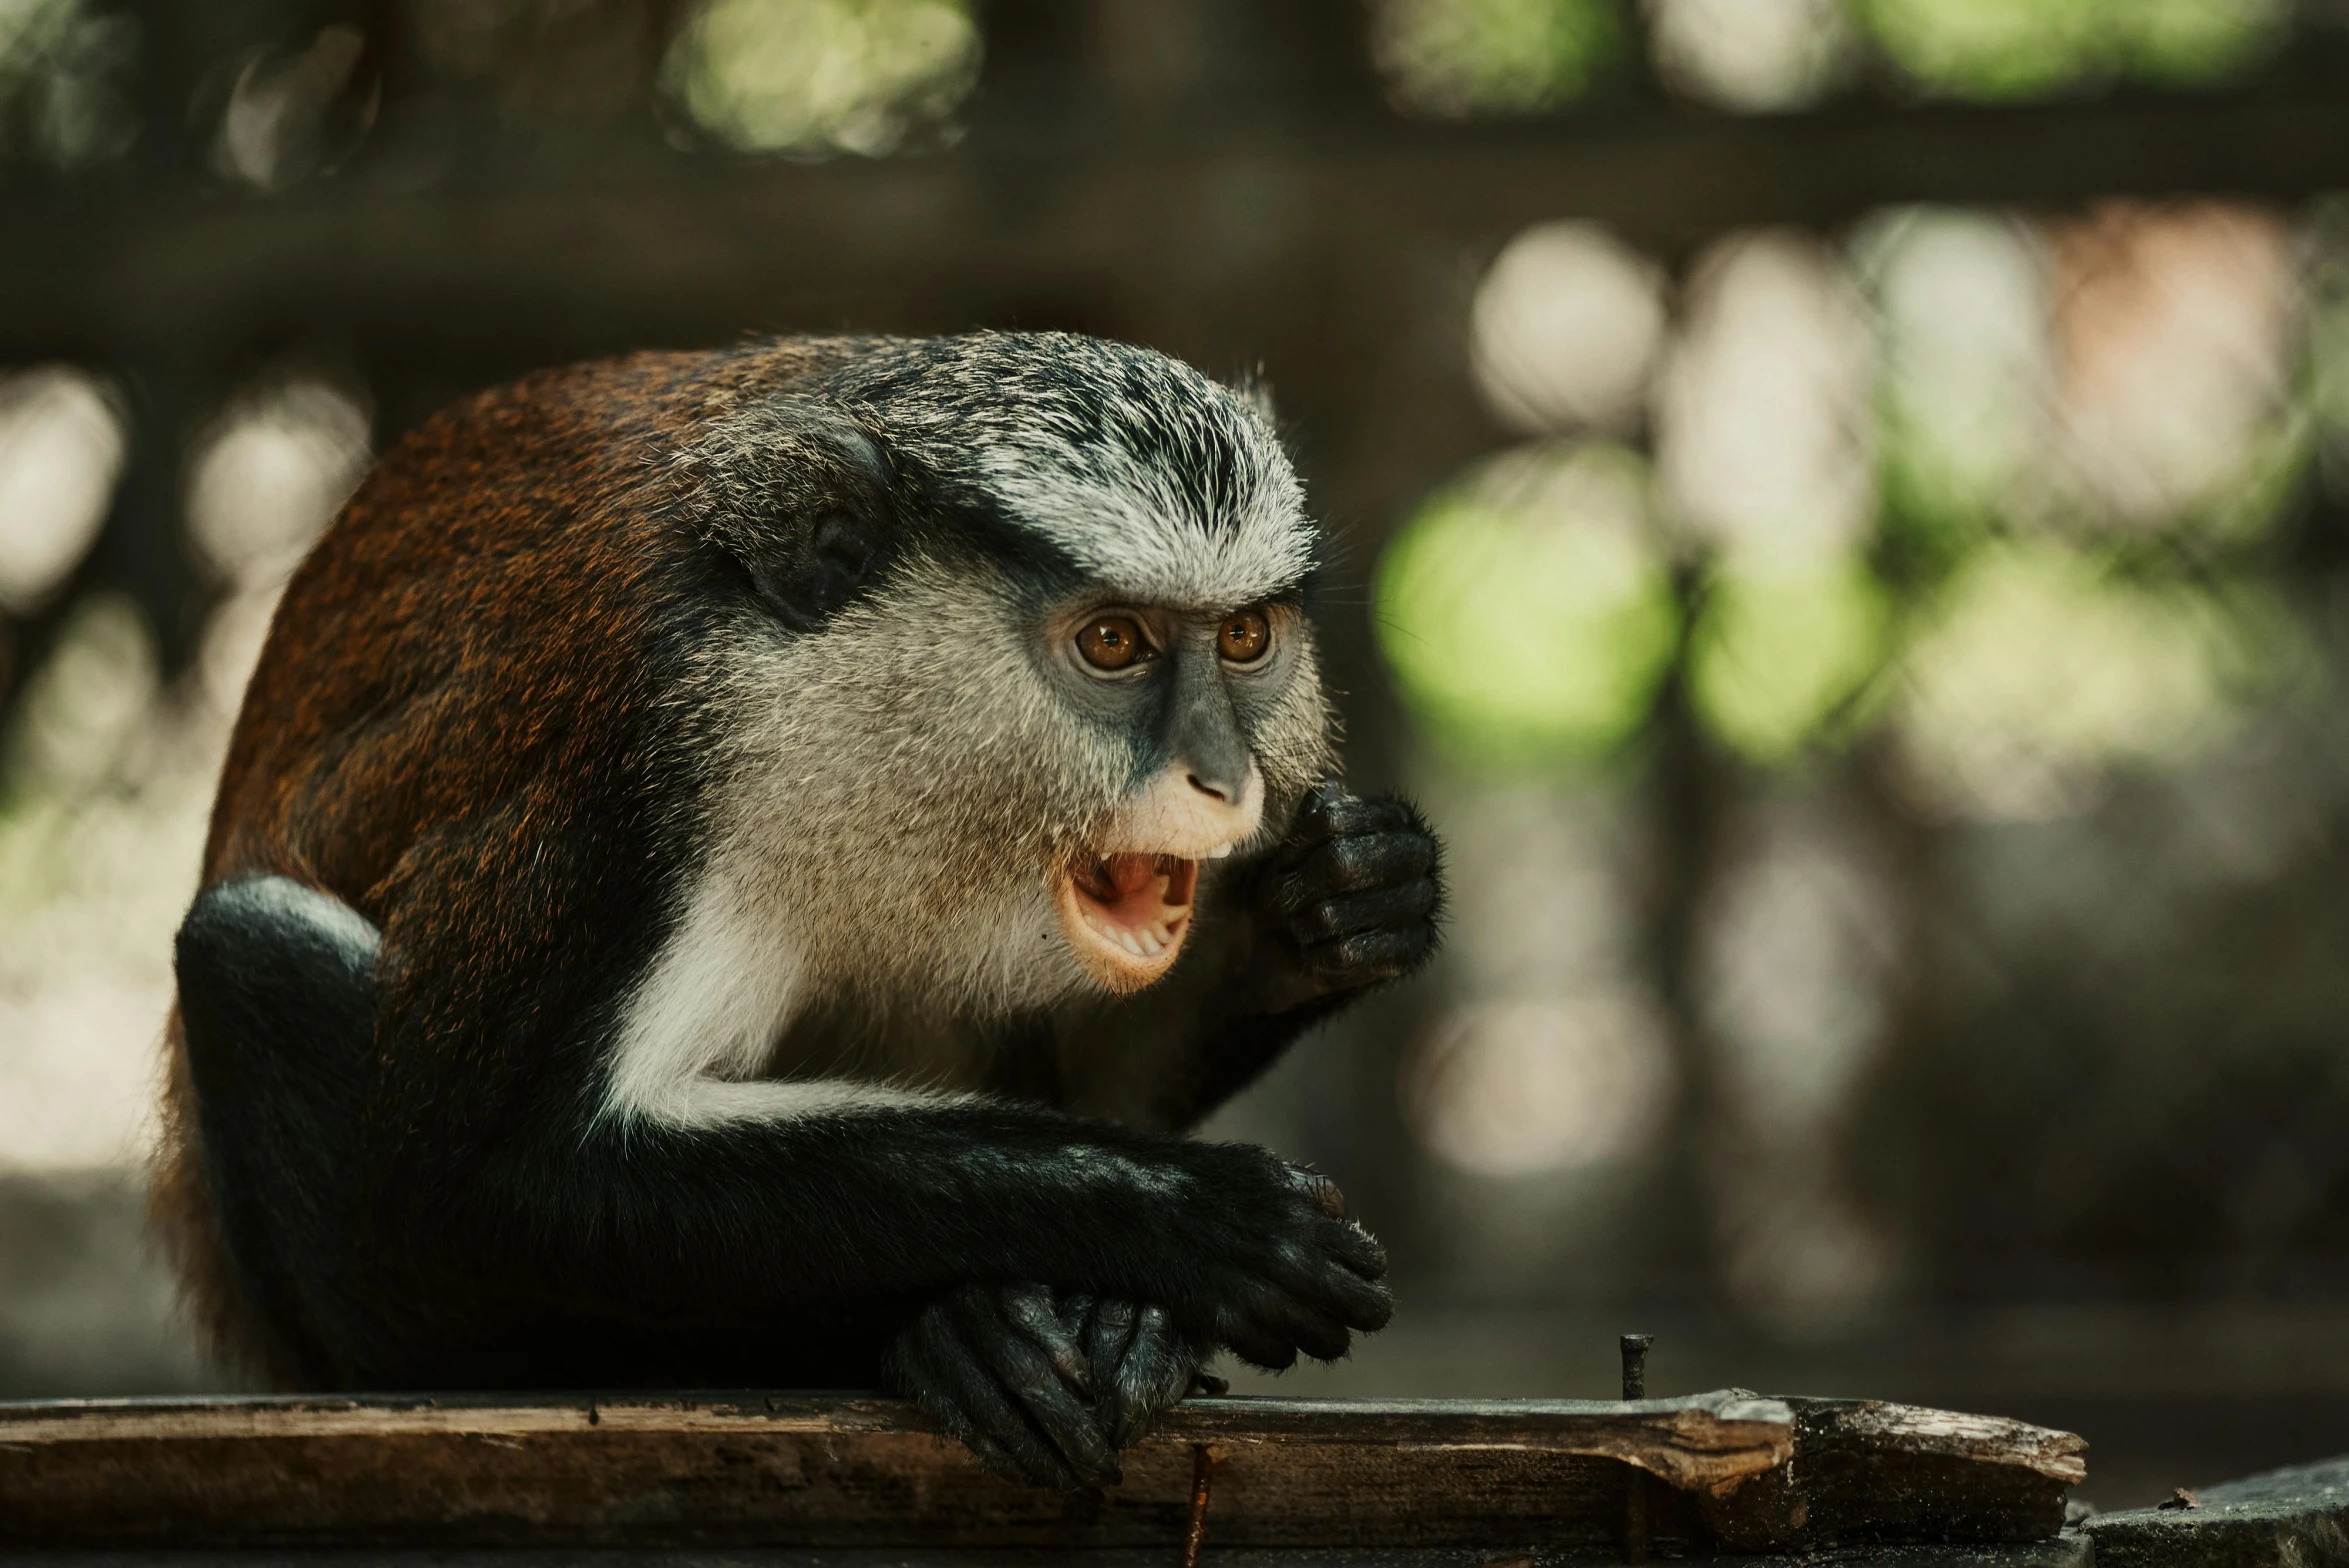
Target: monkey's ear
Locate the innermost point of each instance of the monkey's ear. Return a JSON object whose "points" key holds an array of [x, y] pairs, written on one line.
{"points": [[806, 505]]}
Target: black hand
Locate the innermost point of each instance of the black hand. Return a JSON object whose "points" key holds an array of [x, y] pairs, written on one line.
{"points": [[1142, 1365], [1267, 1262], [995, 1366], [1352, 898]]}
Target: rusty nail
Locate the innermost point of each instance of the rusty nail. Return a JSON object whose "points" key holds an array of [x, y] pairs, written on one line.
{"points": [[1635, 1365], [1195, 1537]]}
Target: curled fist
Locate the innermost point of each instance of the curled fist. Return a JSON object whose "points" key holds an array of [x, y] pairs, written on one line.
{"points": [[1351, 899], [1046, 1390]]}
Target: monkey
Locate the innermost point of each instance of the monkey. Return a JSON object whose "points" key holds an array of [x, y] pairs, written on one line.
{"points": [[744, 868]]}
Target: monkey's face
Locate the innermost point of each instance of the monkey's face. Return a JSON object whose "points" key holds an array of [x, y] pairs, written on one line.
{"points": [[976, 799], [1189, 696], [1022, 659]]}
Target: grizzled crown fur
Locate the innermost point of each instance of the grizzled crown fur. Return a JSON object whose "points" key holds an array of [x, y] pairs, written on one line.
{"points": [[1117, 465]]}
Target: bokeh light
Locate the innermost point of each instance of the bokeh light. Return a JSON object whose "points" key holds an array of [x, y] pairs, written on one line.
{"points": [[61, 443], [67, 78], [271, 472], [265, 481], [1795, 955], [2040, 670], [1996, 49], [807, 77], [1550, 1057], [1764, 428], [1780, 659], [1751, 55], [281, 123], [103, 791], [1565, 330], [2172, 330], [1520, 1088], [1968, 372], [1795, 963], [1470, 57], [1526, 612], [2327, 314]]}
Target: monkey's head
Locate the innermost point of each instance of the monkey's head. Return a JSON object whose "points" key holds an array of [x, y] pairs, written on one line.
{"points": [[1015, 653]]}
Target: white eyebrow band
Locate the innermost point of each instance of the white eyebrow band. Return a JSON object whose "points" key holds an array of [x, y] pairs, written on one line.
{"points": [[1141, 539]]}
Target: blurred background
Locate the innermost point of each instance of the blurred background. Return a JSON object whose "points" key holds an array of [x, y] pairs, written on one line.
{"points": [[1845, 526]]}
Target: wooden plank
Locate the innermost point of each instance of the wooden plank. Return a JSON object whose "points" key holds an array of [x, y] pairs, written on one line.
{"points": [[1729, 1469]]}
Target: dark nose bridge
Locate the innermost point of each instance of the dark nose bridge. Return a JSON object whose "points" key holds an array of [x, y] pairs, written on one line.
{"points": [[1203, 732]]}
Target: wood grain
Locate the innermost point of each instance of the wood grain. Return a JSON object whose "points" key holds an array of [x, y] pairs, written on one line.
{"points": [[1730, 1470]]}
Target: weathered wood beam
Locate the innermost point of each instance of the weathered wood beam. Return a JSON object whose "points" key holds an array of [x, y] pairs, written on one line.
{"points": [[1723, 1470]]}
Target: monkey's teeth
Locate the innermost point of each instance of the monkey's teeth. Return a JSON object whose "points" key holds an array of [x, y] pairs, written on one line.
{"points": [[1152, 891]]}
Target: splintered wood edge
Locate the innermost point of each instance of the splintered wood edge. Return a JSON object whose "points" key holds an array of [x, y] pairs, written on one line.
{"points": [[1994, 1440]]}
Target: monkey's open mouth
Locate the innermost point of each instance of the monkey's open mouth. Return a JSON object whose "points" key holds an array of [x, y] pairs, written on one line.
{"points": [[1125, 915]]}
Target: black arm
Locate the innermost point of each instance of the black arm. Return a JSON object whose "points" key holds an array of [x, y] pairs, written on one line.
{"points": [[395, 1201]]}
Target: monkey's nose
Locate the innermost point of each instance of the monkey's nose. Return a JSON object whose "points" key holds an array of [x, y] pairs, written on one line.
{"points": [[1218, 789]]}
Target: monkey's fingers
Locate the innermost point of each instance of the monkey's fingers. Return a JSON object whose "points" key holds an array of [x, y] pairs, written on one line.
{"points": [[930, 1365], [1399, 906], [1158, 1368], [1368, 957], [1283, 1271], [1356, 865], [1253, 1343], [1298, 1314], [1030, 1309], [1338, 1233], [1022, 1370], [1357, 1249], [1312, 824], [976, 1389], [1311, 1301], [1108, 1335], [1330, 812]]}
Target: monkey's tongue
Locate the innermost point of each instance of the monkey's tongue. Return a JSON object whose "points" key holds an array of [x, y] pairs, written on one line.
{"points": [[1139, 902]]}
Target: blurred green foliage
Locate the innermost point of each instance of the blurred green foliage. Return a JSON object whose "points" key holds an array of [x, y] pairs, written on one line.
{"points": [[1526, 612], [2047, 590], [1461, 57], [2008, 49], [816, 76], [1501, 57], [65, 83], [1777, 660]]}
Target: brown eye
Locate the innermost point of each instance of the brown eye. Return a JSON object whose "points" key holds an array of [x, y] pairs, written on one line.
{"points": [[1112, 642], [1245, 636]]}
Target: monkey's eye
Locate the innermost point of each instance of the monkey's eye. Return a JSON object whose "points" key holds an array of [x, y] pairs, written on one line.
{"points": [[1112, 643], [1245, 636]]}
